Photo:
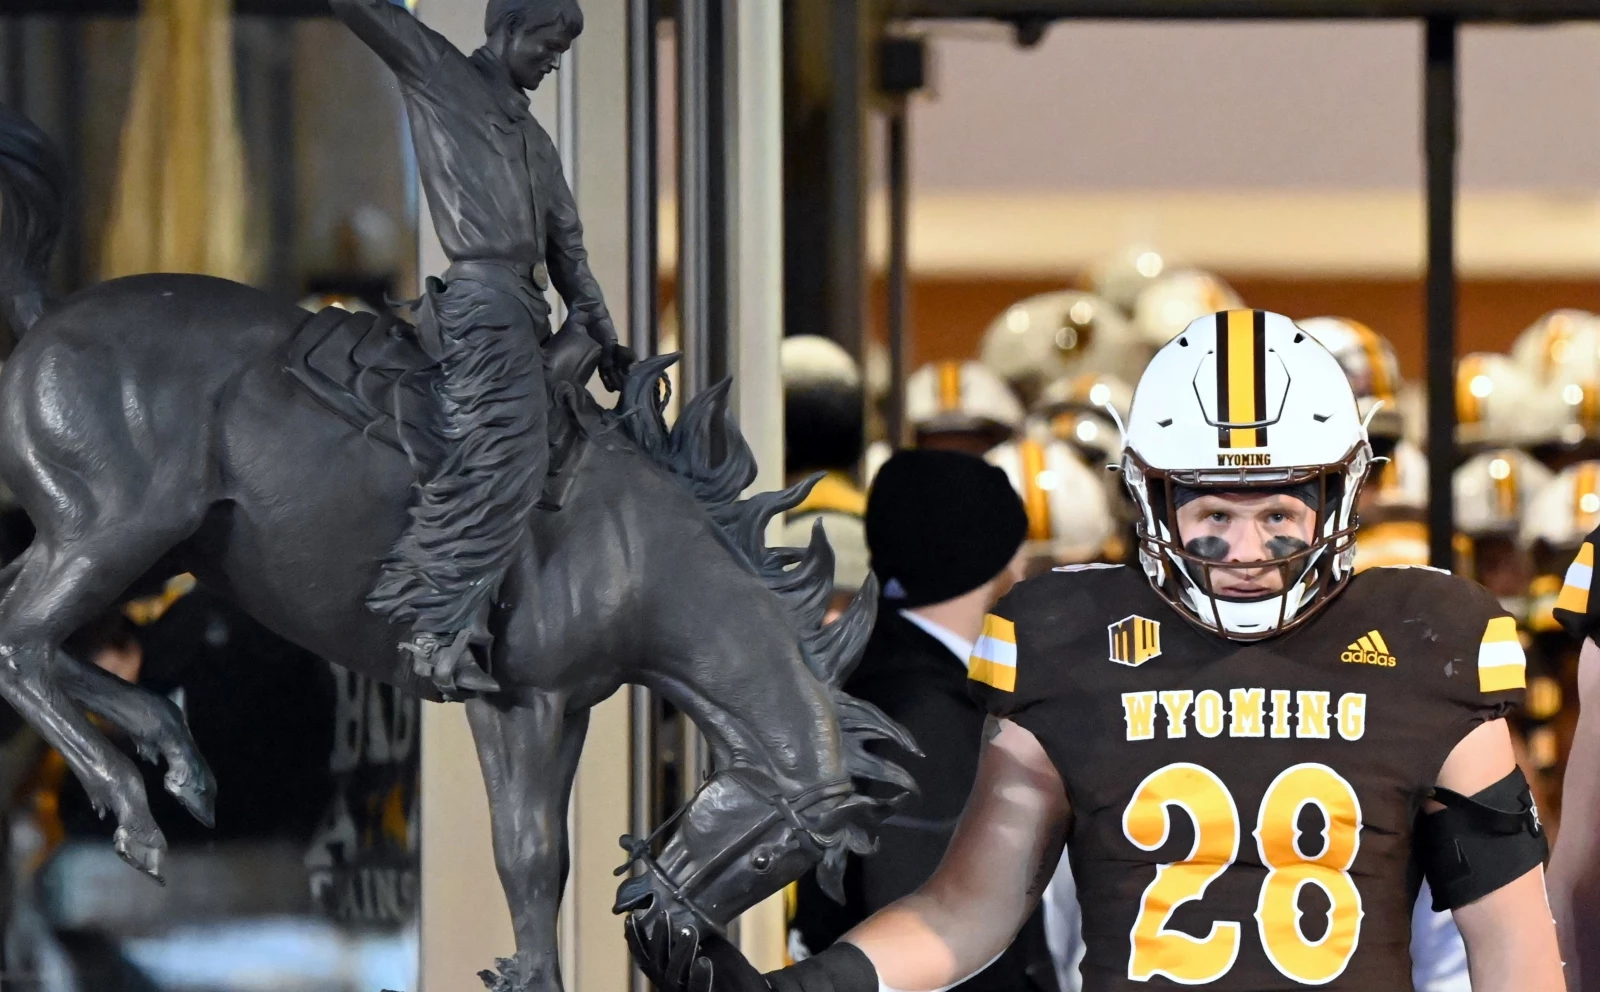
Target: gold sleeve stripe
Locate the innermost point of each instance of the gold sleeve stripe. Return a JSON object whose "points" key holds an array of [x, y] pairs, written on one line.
{"points": [[1575, 589], [994, 656], [1501, 663]]}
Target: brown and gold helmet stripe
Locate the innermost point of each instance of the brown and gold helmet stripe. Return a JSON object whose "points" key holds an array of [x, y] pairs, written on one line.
{"points": [[1030, 462], [1372, 344], [1583, 484], [1505, 490], [1242, 377], [1469, 406], [949, 387]]}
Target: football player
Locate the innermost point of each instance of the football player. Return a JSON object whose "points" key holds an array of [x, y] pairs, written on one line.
{"points": [[1575, 862], [1246, 749]]}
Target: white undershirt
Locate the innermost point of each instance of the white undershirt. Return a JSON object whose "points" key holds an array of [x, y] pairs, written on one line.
{"points": [[958, 645]]}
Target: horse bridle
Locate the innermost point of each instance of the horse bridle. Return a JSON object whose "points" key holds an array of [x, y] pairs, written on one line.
{"points": [[786, 808]]}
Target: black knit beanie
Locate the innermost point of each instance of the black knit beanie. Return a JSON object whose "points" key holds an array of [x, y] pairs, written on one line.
{"points": [[940, 524]]}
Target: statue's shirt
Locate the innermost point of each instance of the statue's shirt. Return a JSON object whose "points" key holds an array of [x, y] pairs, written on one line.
{"points": [[491, 173]]}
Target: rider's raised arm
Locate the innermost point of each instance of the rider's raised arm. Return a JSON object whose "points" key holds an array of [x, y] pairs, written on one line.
{"points": [[1002, 855], [410, 48]]}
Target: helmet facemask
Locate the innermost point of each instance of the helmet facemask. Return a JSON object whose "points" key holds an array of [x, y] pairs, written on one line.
{"points": [[1309, 574]]}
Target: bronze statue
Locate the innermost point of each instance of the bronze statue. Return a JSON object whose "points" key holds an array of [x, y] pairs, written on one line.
{"points": [[508, 224], [167, 423]]}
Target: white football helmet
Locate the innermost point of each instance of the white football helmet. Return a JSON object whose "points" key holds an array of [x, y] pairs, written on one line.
{"points": [[1563, 345], [1169, 304], [1069, 515], [1402, 482], [1565, 510], [1044, 337], [877, 453], [1244, 399], [1368, 359], [1492, 491], [1125, 273], [955, 396], [1499, 405], [1083, 411]]}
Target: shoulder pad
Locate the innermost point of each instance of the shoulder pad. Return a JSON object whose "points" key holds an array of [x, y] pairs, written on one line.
{"points": [[1086, 567], [1425, 568]]}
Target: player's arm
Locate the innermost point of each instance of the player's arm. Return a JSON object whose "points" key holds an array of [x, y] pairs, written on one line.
{"points": [[1496, 895], [1574, 882], [407, 46], [991, 878]]}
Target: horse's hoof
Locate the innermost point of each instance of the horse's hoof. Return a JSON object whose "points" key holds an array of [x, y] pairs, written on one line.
{"points": [[144, 855], [195, 788], [516, 974]]}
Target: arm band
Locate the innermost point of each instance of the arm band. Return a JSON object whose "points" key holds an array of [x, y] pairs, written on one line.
{"points": [[1479, 843]]}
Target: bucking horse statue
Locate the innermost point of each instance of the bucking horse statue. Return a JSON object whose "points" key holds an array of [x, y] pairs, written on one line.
{"points": [[176, 423]]}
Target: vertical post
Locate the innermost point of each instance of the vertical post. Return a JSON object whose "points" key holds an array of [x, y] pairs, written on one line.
{"points": [[899, 250], [702, 193], [902, 71], [644, 338], [757, 281], [643, 268], [824, 169], [594, 133], [1440, 140]]}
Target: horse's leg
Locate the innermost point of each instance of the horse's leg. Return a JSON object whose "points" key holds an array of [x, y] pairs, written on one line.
{"points": [[154, 723], [529, 756], [58, 588]]}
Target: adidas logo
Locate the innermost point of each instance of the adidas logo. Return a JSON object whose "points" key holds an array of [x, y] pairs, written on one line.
{"points": [[1369, 649]]}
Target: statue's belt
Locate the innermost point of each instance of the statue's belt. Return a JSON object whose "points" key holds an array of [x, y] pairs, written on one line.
{"points": [[494, 271]]}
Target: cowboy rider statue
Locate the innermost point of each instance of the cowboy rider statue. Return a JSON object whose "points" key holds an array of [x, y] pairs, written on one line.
{"points": [[507, 221]]}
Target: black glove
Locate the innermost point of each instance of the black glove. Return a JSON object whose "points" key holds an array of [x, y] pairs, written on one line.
{"points": [[677, 958], [615, 361]]}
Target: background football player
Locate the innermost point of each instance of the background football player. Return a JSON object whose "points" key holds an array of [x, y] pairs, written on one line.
{"points": [[1246, 748]]}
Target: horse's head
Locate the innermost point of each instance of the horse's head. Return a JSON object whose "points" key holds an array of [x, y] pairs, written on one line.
{"points": [[741, 839], [771, 704]]}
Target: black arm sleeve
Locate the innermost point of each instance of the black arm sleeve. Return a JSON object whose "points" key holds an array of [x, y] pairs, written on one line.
{"points": [[1481, 843]]}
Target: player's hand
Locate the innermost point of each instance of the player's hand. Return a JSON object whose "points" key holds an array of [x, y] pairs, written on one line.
{"points": [[615, 361], [676, 957]]}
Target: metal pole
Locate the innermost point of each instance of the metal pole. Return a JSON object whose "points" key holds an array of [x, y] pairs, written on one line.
{"points": [[643, 267], [644, 338], [899, 250], [702, 194], [1439, 138]]}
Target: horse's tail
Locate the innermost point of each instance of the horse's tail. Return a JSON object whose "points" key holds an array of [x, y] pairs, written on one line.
{"points": [[32, 198]]}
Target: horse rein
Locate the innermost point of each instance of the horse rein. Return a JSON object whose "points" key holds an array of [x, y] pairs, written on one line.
{"points": [[786, 808]]}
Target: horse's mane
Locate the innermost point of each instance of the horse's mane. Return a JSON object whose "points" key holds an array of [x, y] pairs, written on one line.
{"points": [[707, 453]]}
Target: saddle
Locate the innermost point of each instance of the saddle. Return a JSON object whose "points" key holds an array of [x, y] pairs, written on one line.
{"points": [[373, 372]]}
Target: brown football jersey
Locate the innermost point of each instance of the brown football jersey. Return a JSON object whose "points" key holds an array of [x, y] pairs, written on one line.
{"points": [[1243, 813]]}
